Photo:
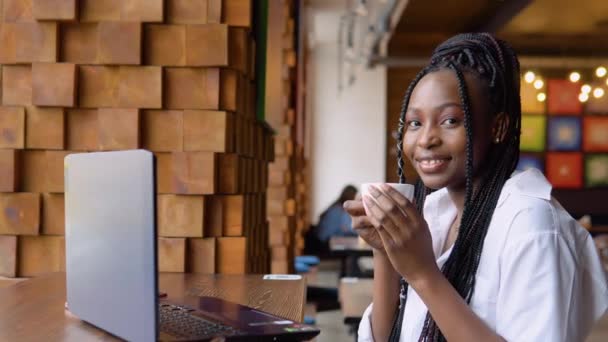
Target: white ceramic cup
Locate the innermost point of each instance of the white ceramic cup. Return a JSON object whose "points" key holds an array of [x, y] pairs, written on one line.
{"points": [[407, 190]]}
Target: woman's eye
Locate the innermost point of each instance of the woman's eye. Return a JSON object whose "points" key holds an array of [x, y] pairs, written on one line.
{"points": [[450, 122], [413, 124]]}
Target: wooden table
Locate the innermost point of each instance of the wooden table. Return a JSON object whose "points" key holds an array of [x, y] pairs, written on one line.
{"points": [[33, 310], [349, 249]]}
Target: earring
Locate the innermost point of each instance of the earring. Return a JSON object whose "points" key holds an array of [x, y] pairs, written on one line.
{"points": [[497, 140]]}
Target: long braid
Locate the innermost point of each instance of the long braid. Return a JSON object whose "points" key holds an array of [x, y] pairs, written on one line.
{"points": [[496, 63]]}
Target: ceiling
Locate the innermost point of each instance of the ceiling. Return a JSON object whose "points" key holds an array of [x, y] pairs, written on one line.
{"points": [[556, 28]]}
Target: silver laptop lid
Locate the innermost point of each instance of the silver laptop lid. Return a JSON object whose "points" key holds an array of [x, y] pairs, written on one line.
{"points": [[111, 242]]}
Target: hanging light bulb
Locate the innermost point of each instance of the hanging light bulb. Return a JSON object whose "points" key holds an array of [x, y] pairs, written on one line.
{"points": [[586, 89], [598, 92], [575, 76], [538, 84], [583, 97], [529, 77], [600, 71], [541, 97]]}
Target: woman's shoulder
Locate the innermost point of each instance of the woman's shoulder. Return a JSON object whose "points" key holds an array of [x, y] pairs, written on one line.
{"points": [[526, 205]]}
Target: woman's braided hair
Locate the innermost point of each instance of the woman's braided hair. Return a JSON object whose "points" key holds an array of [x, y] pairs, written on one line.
{"points": [[495, 63]]}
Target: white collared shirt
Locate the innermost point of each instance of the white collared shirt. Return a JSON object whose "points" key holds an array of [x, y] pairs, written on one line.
{"points": [[539, 277]]}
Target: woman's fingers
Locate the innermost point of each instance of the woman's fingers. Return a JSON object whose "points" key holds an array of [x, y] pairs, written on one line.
{"points": [[359, 222], [408, 207], [354, 208], [380, 219]]}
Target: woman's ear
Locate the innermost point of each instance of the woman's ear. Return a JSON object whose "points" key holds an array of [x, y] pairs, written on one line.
{"points": [[499, 127]]}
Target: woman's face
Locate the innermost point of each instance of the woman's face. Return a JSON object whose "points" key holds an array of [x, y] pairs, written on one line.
{"points": [[434, 134]]}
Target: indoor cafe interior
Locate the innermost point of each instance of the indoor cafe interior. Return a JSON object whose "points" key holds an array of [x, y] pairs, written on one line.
{"points": [[272, 128]]}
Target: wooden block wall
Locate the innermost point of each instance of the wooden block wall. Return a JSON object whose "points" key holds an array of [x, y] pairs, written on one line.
{"points": [[170, 76], [287, 200]]}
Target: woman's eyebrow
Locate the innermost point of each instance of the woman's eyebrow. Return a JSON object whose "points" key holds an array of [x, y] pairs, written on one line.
{"points": [[437, 108]]}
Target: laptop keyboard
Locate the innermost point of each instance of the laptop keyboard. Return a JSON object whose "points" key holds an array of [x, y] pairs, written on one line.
{"points": [[177, 321]]}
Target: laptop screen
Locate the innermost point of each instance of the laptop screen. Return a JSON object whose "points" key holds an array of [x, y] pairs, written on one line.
{"points": [[111, 242]]}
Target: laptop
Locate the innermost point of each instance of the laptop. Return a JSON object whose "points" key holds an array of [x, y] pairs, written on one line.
{"points": [[111, 261]]}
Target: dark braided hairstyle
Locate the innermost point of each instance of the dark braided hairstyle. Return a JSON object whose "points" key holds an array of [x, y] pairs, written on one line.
{"points": [[495, 64]]}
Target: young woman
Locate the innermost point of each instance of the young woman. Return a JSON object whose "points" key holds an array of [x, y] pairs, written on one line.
{"points": [[482, 253]]}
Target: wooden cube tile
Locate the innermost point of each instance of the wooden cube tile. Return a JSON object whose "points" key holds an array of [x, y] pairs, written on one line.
{"points": [[279, 222], [119, 42], [143, 10], [211, 131], [228, 173], [279, 266], [162, 130], [54, 84], [214, 216], [231, 255], [54, 9], [237, 12], [45, 128], [96, 11], [17, 10], [55, 171], [277, 237], [180, 216], [164, 173], [78, 43], [12, 127], [238, 49], [53, 214], [118, 129], [279, 253], [234, 213], [40, 254], [26, 42], [186, 11], [34, 171], [16, 85], [83, 127], [8, 256], [19, 213], [10, 170], [215, 11], [171, 254], [207, 45], [192, 88], [231, 90], [140, 87], [98, 86], [201, 255], [165, 45], [193, 173]]}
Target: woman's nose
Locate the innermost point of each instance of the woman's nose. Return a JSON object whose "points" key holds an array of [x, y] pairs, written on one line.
{"points": [[429, 137]]}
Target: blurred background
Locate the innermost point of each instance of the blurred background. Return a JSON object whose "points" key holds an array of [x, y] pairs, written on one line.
{"points": [[262, 113]]}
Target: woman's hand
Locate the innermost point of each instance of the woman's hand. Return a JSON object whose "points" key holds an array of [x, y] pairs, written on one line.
{"points": [[362, 225], [404, 233]]}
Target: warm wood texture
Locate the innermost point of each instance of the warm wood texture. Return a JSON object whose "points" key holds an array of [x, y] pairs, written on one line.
{"points": [[53, 214], [45, 128], [201, 255], [12, 126], [36, 306], [9, 170], [355, 296], [38, 255], [175, 77], [19, 213], [180, 216]]}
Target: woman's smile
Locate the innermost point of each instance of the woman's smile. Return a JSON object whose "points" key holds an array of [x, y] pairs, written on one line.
{"points": [[432, 165]]}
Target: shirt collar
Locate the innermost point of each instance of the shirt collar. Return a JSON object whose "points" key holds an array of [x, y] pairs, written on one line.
{"points": [[531, 183]]}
